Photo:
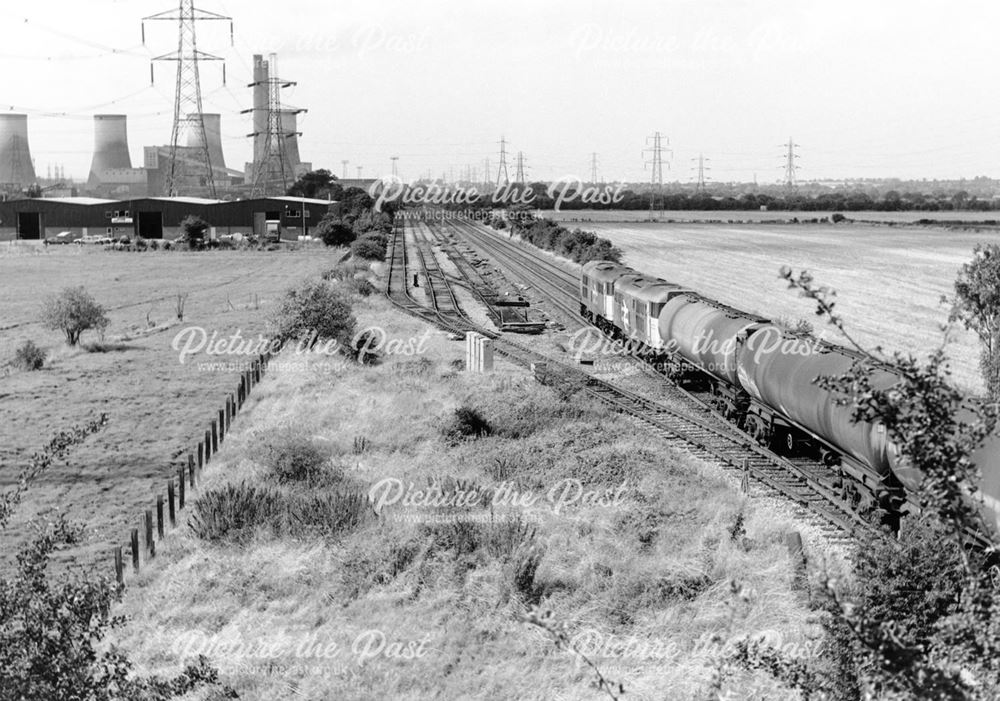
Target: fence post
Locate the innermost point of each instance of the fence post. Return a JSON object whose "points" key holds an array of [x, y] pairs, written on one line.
{"points": [[180, 488], [745, 480], [190, 471], [119, 566], [150, 543], [797, 555], [222, 425], [159, 516], [229, 414], [171, 504], [135, 549], [215, 437], [201, 456], [208, 445]]}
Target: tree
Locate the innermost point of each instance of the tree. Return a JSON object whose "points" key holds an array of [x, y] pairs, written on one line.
{"points": [[315, 311], [194, 228], [977, 306], [73, 311], [334, 232], [312, 184]]}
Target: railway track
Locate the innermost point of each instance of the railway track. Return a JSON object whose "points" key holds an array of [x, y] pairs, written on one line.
{"points": [[699, 435], [707, 433]]}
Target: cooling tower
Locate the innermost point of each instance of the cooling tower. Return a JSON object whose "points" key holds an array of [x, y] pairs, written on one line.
{"points": [[289, 126], [15, 156], [213, 133], [110, 143], [261, 74]]}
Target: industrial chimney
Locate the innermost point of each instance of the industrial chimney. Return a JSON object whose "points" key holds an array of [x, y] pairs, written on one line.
{"points": [[110, 144], [289, 127], [261, 74], [16, 167], [213, 134]]}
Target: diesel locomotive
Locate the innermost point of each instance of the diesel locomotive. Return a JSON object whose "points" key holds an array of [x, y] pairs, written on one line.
{"points": [[761, 377]]}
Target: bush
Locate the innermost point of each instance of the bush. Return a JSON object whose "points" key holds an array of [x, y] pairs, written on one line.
{"points": [[837, 217], [236, 512], [194, 229], [368, 249], [314, 311], [291, 456], [464, 424], [29, 357], [73, 311], [328, 514], [361, 286], [334, 232]]}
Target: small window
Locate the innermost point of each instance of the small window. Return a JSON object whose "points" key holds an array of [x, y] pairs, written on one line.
{"points": [[108, 214]]}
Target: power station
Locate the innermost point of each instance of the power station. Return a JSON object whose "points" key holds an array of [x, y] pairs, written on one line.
{"points": [[16, 167], [113, 175]]}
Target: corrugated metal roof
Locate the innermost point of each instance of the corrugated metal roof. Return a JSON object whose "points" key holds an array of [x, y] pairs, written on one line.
{"points": [[82, 201], [187, 200], [299, 200]]}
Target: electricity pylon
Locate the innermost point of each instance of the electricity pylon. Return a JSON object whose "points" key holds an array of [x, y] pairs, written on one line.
{"points": [[187, 95]]}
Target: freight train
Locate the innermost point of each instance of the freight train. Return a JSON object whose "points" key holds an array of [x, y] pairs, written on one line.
{"points": [[761, 377]]}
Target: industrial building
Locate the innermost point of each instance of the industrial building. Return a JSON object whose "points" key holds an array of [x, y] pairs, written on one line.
{"points": [[159, 217], [113, 177]]}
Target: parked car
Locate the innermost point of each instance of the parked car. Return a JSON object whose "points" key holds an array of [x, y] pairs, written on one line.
{"points": [[61, 238], [94, 239]]}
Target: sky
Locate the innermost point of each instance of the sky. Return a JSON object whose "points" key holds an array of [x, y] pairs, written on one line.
{"points": [[865, 89]]}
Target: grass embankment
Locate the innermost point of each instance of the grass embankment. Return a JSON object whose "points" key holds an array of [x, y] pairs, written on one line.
{"points": [[426, 601], [158, 408]]}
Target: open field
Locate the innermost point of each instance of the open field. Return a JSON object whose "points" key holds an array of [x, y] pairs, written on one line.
{"points": [[158, 407], [426, 601], [889, 280], [753, 216]]}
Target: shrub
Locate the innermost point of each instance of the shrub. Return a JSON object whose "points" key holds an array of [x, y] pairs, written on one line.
{"points": [[73, 311], [29, 357], [154, 245], [379, 237], [465, 423], [194, 229], [333, 232], [837, 217], [329, 514], [314, 311], [361, 286], [292, 456], [368, 249], [236, 512]]}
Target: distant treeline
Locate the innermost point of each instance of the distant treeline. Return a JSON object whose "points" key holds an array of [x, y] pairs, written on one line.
{"points": [[857, 201], [577, 245]]}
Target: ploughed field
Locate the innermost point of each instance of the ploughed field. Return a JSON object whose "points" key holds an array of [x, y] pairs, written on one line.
{"points": [[889, 280], [157, 406]]}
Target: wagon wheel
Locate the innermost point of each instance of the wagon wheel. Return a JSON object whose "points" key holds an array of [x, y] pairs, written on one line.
{"points": [[789, 443]]}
